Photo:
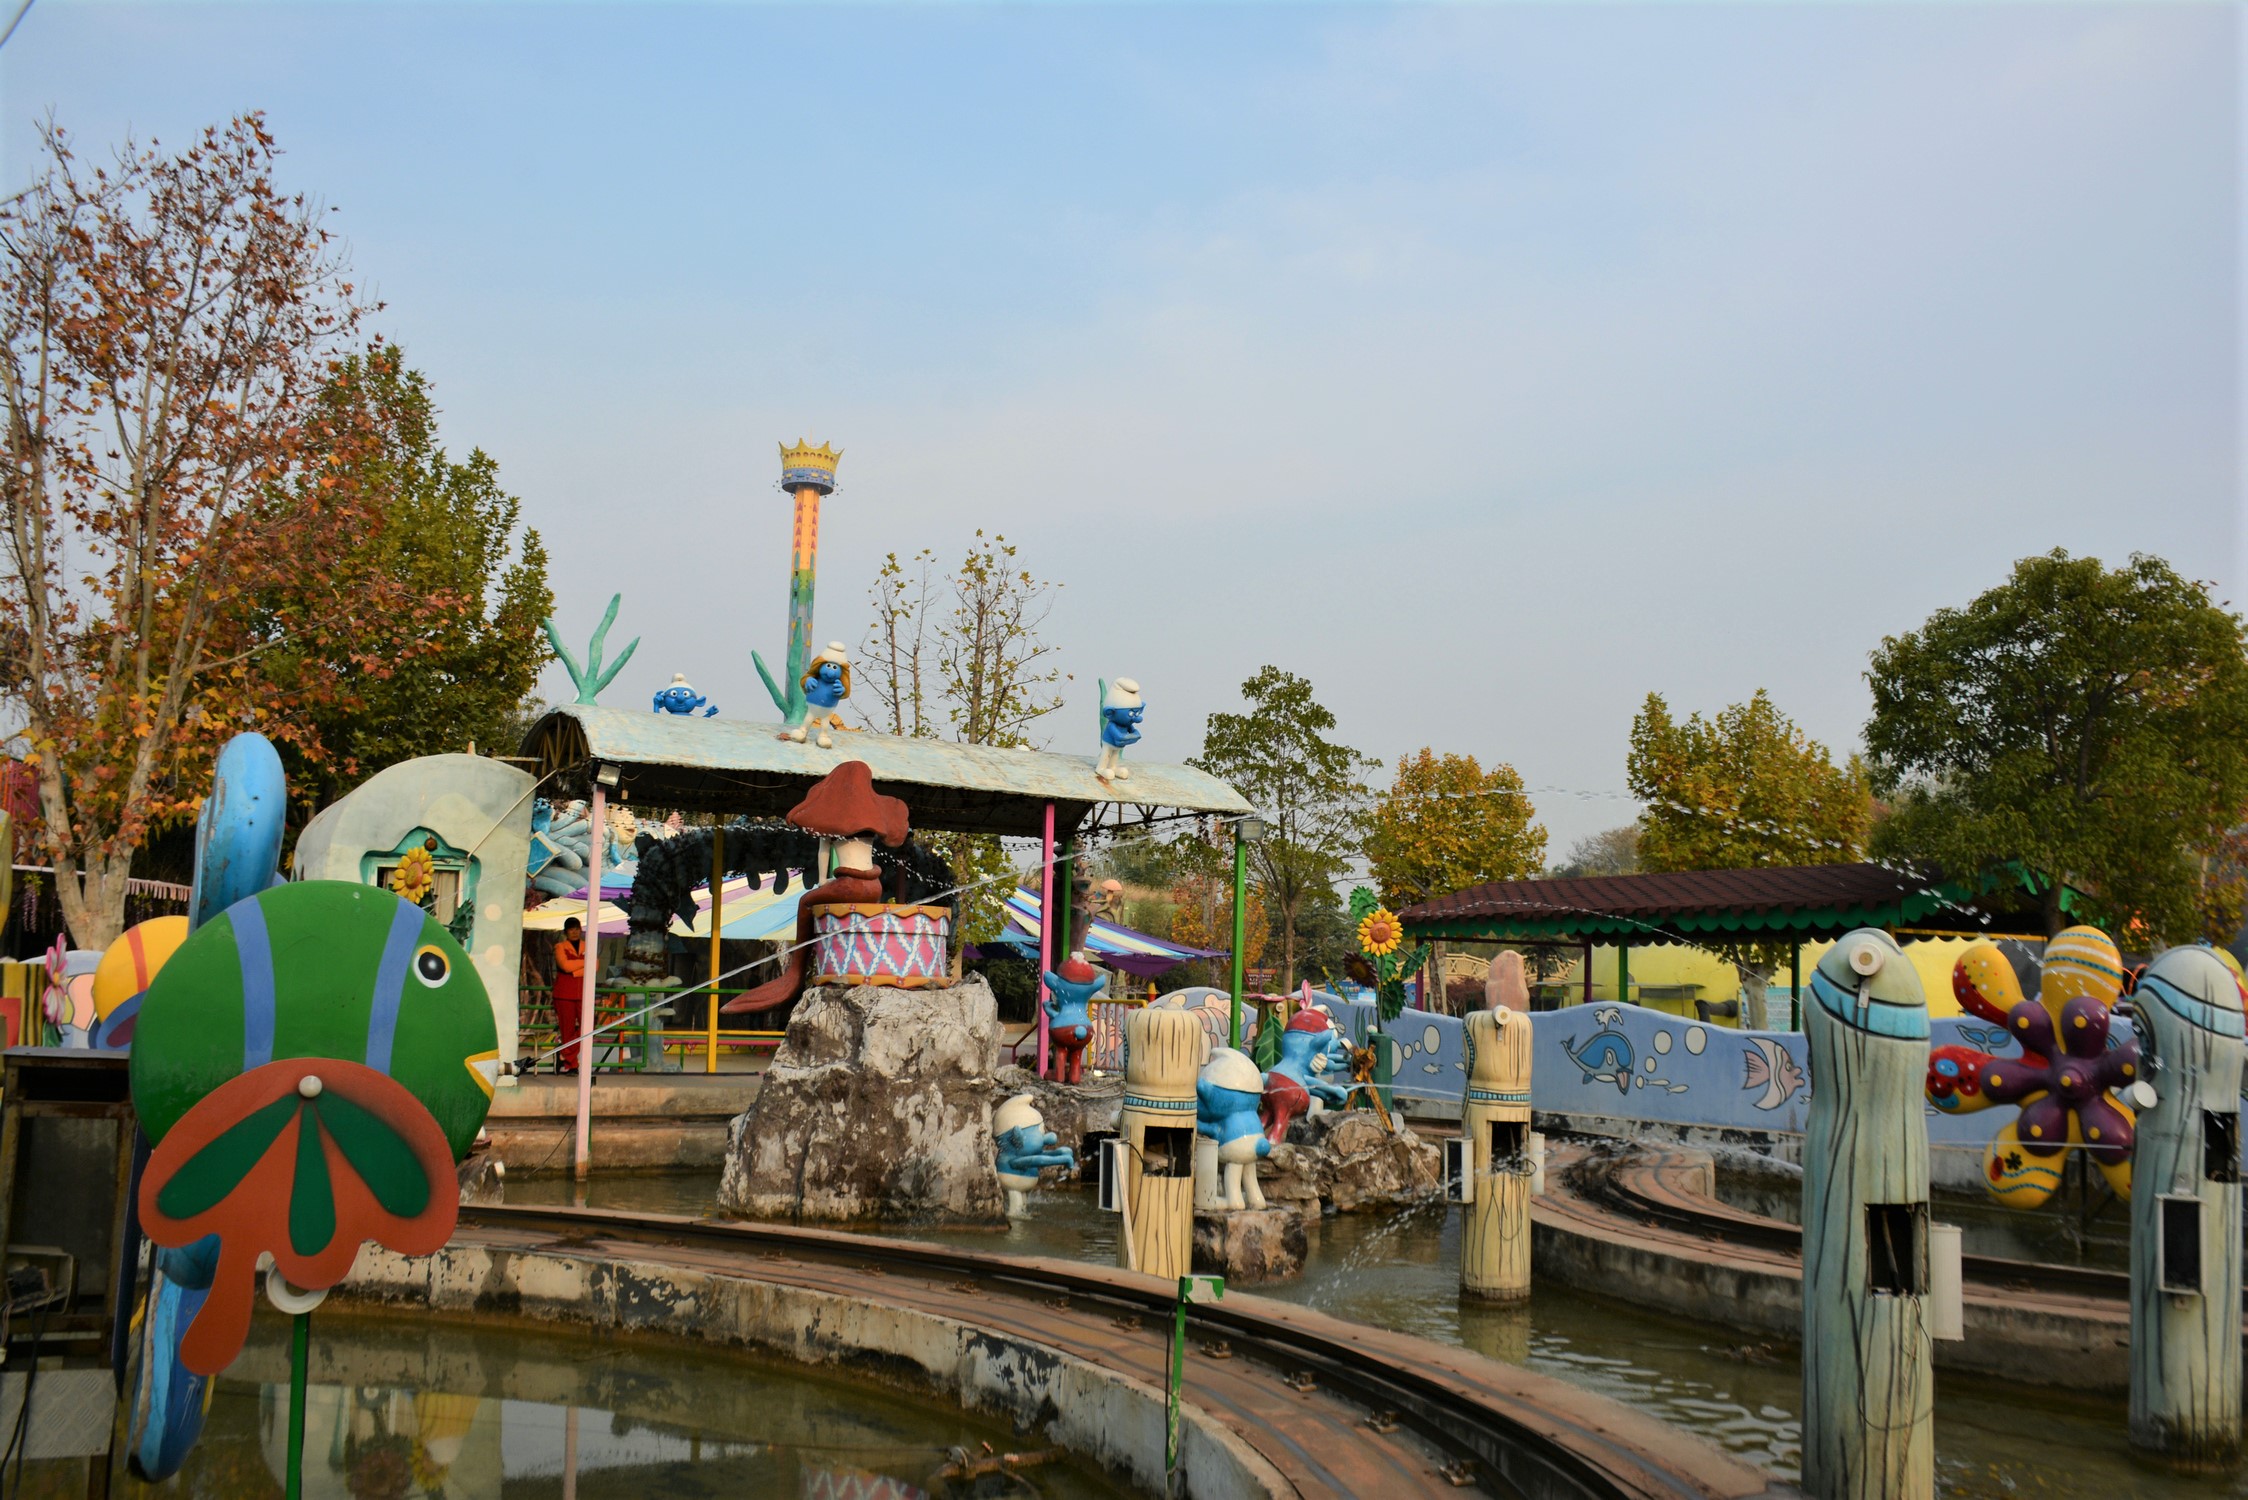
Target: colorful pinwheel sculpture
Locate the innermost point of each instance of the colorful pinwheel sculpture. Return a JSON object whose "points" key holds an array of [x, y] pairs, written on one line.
{"points": [[2066, 1077]]}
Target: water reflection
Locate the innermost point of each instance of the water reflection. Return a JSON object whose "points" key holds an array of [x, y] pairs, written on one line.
{"points": [[434, 1412], [1741, 1391]]}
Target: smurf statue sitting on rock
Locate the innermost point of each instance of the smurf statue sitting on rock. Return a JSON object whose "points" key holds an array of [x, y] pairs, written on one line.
{"points": [[1226, 1096], [1025, 1145]]}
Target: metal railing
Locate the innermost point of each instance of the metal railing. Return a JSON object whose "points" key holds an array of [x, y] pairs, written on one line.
{"points": [[635, 1046]]}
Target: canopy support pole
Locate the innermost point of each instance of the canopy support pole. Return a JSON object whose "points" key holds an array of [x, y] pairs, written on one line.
{"points": [[1623, 972], [717, 922], [1045, 935], [587, 987], [1586, 969], [1795, 986], [1240, 934]]}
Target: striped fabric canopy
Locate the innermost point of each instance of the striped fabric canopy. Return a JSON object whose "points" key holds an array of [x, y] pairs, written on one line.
{"points": [[1116, 946]]}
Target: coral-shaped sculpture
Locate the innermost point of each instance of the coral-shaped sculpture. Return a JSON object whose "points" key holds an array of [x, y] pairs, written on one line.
{"points": [[1069, 1018], [590, 677], [826, 682], [1121, 712], [680, 698], [1309, 1048], [1025, 1145], [2065, 1079], [1227, 1094]]}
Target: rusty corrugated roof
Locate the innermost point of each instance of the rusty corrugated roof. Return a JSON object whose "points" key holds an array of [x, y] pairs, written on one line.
{"points": [[1780, 898]]}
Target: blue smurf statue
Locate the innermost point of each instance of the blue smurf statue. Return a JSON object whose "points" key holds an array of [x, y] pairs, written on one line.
{"points": [[1226, 1097], [682, 699], [1025, 1145], [827, 682], [1121, 712]]}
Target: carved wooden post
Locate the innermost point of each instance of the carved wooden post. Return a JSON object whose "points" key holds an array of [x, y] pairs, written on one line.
{"points": [[1495, 1119], [1163, 1050], [1868, 1376], [2185, 1211]]}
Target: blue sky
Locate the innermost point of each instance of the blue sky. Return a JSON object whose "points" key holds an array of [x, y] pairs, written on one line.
{"points": [[1490, 366]]}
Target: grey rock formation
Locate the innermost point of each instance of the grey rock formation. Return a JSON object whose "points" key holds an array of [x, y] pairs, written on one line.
{"points": [[1356, 1165], [877, 1107], [1252, 1245]]}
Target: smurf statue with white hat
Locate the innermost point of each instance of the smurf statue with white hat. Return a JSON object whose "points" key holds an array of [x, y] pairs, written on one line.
{"points": [[1025, 1145], [1121, 712], [679, 698], [1226, 1096], [827, 682]]}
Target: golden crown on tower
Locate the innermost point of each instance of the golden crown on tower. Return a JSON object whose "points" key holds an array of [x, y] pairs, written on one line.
{"points": [[804, 465]]}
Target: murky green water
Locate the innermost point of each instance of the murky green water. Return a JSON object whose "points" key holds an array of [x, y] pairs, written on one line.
{"points": [[1402, 1272], [405, 1411]]}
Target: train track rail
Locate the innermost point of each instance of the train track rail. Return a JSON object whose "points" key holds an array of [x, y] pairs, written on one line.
{"points": [[1508, 1431], [1660, 1188]]}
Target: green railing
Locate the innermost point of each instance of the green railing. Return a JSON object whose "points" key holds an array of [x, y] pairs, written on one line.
{"points": [[634, 1046]]}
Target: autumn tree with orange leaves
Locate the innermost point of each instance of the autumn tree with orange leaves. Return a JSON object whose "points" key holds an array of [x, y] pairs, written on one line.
{"points": [[173, 490]]}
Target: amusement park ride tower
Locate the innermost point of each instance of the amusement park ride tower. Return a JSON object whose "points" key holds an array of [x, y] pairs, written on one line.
{"points": [[807, 473]]}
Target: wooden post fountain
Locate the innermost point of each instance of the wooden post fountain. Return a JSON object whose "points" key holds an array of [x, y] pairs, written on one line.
{"points": [[1163, 1051], [2185, 1211], [1495, 1121], [1868, 1371]]}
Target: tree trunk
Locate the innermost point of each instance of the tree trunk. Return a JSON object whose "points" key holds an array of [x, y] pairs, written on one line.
{"points": [[94, 912], [1288, 949], [1754, 1015], [2051, 901], [1439, 1000]]}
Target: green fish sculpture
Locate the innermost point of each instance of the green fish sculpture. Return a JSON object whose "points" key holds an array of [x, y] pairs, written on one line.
{"points": [[310, 1065]]}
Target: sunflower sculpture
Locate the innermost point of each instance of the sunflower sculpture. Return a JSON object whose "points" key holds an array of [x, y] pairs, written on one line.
{"points": [[415, 877], [1380, 935]]}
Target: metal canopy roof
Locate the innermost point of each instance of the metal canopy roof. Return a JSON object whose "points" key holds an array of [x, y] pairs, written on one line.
{"points": [[1783, 901], [735, 766]]}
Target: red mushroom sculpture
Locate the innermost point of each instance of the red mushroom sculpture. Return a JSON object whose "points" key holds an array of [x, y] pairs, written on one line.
{"points": [[861, 938]]}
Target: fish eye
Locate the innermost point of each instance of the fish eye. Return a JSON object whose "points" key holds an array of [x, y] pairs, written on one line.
{"points": [[431, 966]]}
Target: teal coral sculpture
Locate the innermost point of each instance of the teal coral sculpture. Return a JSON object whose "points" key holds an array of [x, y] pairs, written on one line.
{"points": [[589, 678]]}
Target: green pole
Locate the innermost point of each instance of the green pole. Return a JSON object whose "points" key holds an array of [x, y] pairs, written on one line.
{"points": [[1795, 987], [1177, 1378], [1240, 942], [1064, 870], [1623, 972], [300, 1355]]}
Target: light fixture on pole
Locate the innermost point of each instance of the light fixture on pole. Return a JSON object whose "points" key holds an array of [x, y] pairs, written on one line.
{"points": [[607, 776]]}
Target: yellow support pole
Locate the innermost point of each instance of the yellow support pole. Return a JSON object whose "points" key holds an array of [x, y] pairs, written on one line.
{"points": [[717, 921]]}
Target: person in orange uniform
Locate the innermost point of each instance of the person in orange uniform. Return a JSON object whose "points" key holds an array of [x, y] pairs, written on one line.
{"points": [[569, 991]]}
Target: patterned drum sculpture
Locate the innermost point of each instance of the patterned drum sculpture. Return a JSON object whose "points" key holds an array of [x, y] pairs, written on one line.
{"points": [[879, 944], [1495, 1121], [2185, 1212], [1868, 1369], [1163, 1051]]}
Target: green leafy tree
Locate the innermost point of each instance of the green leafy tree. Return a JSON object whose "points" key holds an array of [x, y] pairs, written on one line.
{"points": [[1741, 789], [1446, 824], [1612, 851], [1304, 784], [458, 668], [2090, 723]]}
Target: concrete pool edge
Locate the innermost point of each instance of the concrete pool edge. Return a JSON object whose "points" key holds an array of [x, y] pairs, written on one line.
{"points": [[1001, 1341], [1102, 1416]]}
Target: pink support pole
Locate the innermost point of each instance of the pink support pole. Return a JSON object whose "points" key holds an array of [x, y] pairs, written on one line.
{"points": [[1045, 936], [588, 1005]]}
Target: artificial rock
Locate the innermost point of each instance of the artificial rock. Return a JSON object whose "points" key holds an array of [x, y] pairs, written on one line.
{"points": [[877, 1107], [1250, 1245]]}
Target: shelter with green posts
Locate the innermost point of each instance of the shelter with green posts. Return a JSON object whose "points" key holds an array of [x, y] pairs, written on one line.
{"points": [[1785, 905]]}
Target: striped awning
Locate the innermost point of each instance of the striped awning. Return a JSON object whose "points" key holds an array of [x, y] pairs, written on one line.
{"points": [[1109, 943]]}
